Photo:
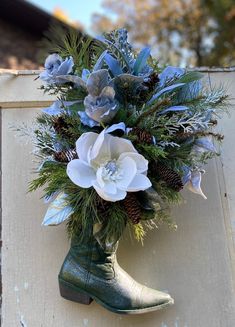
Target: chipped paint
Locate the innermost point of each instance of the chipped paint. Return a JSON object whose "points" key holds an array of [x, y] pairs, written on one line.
{"points": [[26, 285], [16, 288], [85, 322], [176, 323], [18, 311], [22, 321]]}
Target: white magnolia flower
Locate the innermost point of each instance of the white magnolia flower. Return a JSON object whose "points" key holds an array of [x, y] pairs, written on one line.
{"points": [[110, 164]]}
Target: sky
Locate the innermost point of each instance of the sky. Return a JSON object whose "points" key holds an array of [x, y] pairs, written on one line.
{"points": [[78, 10]]}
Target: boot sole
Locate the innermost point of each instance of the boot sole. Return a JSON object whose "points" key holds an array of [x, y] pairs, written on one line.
{"points": [[73, 293]]}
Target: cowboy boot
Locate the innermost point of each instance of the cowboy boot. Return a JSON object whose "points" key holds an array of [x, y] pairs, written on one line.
{"points": [[91, 272]]}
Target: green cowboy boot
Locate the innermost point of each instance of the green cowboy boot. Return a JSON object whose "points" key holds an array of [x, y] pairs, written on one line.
{"points": [[91, 272]]}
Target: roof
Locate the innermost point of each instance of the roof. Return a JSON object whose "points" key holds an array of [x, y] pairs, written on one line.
{"points": [[27, 16]]}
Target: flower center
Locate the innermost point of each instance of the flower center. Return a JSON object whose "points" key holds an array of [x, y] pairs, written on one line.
{"points": [[111, 171], [111, 167]]}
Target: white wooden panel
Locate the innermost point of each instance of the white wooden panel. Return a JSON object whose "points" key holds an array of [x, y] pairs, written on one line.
{"points": [[195, 264], [21, 90]]}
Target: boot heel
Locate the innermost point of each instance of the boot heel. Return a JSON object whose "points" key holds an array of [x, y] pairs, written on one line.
{"points": [[69, 293]]}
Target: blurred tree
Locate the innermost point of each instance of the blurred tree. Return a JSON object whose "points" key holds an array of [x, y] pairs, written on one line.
{"points": [[223, 51], [64, 17], [187, 32]]}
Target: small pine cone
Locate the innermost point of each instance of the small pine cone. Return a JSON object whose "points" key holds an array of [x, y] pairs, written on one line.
{"points": [[132, 208], [60, 126], [142, 135], [218, 136], [183, 135], [214, 122], [66, 156], [169, 176], [151, 81]]}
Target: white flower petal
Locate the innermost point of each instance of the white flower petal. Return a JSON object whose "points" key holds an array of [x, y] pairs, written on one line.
{"points": [[80, 173], [107, 185], [99, 177], [100, 152], [118, 196], [110, 187], [128, 171], [139, 183], [120, 145], [120, 126], [84, 143], [141, 162]]}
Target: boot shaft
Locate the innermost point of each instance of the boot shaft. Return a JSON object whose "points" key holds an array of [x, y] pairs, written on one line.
{"points": [[98, 259]]}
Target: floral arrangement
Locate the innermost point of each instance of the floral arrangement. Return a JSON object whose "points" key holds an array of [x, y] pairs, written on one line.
{"points": [[123, 138]]}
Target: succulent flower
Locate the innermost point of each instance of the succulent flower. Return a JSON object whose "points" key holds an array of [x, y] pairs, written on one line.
{"points": [[100, 104], [192, 179], [86, 120], [58, 107], [110, 164], [194, 184], [170, 73], [204, 144], [128, 88], [55, 66]]}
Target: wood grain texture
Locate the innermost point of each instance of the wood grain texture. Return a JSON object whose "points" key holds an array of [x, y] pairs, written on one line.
{"points": [[195, 264]]}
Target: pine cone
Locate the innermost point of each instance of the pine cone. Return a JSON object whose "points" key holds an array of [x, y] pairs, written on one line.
{"points": [[214, 122], [219, 137], [151, 81], [61, 126], [169, 176], [142, 135], [103, 209], [183, 135], [65, 156], [132, 208]]}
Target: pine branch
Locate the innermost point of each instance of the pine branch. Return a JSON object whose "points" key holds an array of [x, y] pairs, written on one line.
{"points": [[152, 110], [53, 175]]}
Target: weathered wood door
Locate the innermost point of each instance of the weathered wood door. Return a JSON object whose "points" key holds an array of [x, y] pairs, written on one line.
{"points": [[195, 264]]}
